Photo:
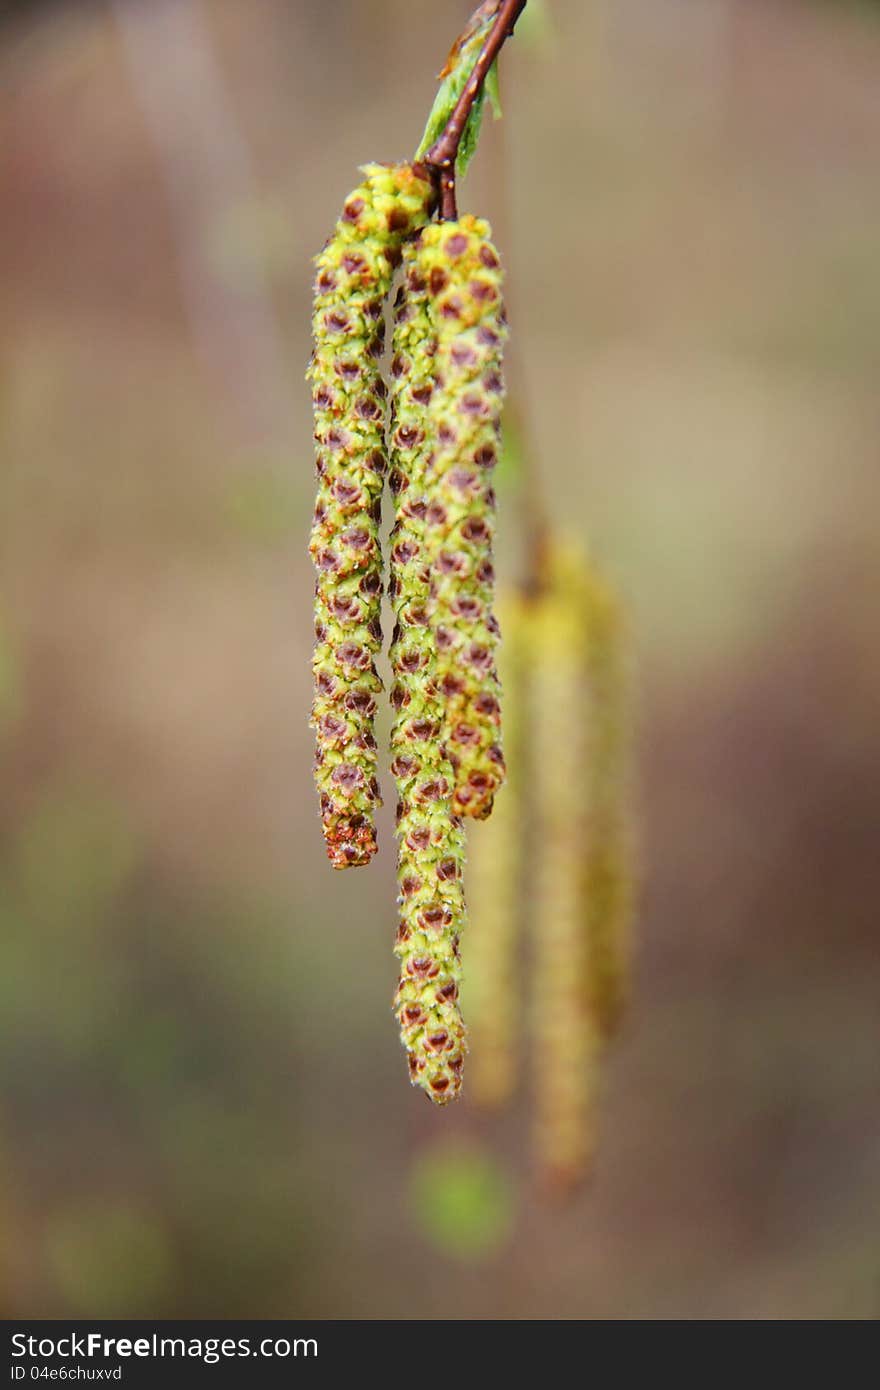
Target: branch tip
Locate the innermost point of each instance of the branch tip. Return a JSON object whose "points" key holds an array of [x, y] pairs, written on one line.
{"points": [[442, 156]]}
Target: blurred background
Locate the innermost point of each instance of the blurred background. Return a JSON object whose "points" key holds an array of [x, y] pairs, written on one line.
{"points": [[205, 1109]]}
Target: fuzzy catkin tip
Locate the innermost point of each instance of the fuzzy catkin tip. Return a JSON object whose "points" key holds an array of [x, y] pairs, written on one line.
{"points": [[354, 272]]}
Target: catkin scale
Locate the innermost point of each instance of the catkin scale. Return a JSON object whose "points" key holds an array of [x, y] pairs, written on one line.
{"points": [[430, 836], [494, 889], [460, 270], [354, 272]]}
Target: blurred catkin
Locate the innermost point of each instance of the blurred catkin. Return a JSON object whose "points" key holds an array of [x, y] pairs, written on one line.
{"points": [[430, 836], [609, 871], [494, 888], [565, 1030], [354, 273], [462, 274]]}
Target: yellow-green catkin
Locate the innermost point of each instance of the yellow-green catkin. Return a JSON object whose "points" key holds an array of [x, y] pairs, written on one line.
{"points": [[609, 875], [495, 890], [462, 275], [430, 837], [565, 1029], [354, 273]]}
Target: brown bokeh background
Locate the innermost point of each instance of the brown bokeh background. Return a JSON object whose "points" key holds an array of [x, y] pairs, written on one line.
{"points": [[204, 1104]]}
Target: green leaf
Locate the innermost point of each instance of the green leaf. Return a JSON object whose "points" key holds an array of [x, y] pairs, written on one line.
{"points": [[493, 90], [450, 90], [470, 136]]}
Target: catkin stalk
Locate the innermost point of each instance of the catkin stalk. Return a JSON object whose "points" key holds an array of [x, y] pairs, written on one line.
{"points": [[354, 273], [462, 274], [430, 836]]}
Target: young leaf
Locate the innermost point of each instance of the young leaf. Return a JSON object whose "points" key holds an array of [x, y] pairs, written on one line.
{"points": [[493, 90], [470, 136], [454, 79]]}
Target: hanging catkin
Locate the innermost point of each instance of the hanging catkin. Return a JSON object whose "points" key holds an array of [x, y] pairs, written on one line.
{"points": [[354, 273], [446, 388], [608, 865], [462, 274], [495, 890], [565, 1030], [430, 837]]}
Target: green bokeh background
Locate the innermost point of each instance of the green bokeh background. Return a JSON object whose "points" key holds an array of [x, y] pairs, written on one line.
{"points": [[204, 1104]]}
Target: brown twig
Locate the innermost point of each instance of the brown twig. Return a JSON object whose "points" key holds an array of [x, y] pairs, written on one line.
{"points": [[442, 155]]}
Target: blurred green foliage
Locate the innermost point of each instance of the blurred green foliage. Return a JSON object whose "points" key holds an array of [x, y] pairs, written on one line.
{"points": [[462, 1200], [119, 1004]]}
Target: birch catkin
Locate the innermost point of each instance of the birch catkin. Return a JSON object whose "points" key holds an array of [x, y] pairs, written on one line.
{"points": [[609, 885], [354, 273], [430, 837], [495, 890], [446, 389], [565, 1030], [461, 271]]}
